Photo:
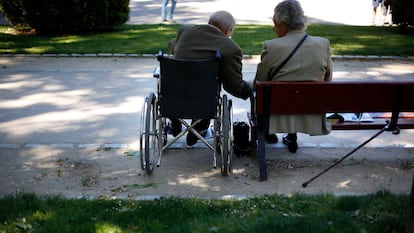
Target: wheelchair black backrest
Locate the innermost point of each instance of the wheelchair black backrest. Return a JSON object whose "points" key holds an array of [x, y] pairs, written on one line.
{"points": [[189, 88]]}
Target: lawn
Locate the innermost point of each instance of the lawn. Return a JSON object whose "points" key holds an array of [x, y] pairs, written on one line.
{"points": [[149, 39], [380, 212]]}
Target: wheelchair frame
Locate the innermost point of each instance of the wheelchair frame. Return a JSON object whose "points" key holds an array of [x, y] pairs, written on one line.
{"points": [[154, 134]]}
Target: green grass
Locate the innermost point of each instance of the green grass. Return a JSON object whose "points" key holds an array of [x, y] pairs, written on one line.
{"points": [[149, 39], [381, 212]]}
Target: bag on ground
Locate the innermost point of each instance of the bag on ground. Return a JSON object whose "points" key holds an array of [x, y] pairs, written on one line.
{"points": [[241, 142]]}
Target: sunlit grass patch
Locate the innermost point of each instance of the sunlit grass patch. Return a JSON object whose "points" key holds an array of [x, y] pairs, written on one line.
{"points": [[381, 212], [149, 39]]}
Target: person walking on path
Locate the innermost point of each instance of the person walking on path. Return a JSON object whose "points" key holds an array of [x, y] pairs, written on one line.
{"points": [[386, 18], [375, 4], [168, 18]]}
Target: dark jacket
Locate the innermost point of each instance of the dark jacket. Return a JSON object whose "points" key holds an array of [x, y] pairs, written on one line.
{"points": [[202, 41]]}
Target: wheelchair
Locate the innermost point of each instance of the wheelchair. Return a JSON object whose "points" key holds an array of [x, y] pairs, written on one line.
{"points": [[187, 89]]}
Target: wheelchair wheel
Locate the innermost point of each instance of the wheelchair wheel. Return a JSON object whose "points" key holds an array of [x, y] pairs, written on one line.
{"points": [[149, 143], [225, 139], [163, 131], [141, 135]]}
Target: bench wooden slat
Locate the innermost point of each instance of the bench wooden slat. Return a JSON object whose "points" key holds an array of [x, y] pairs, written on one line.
{"points": [[303, 97], [403, 123], [333, 97]]}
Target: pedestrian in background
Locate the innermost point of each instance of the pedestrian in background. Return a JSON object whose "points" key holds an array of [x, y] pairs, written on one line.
{"points": [[375, 4], [386, 12], [168, 17]]}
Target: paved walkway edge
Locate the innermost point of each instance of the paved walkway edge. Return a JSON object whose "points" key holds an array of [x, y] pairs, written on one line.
{"points": [[123, 55], [109, 146]]}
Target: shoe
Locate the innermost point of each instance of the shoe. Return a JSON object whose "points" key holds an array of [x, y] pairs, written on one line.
{"points": [[168, 21], [175, 127], [292, 145], [191, 139], [271, 138], [175, 131]]}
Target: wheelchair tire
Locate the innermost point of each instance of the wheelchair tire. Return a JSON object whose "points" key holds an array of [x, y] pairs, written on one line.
{"points": [[142, 132], [141, 162], [225, 140], [150, 145]]}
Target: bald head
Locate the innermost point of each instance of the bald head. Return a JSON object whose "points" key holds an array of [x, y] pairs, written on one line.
{"points": [[224, 21]]}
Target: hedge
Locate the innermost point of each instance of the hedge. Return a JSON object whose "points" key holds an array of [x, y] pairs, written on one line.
{"points": [[403, 13], [66, 16]]}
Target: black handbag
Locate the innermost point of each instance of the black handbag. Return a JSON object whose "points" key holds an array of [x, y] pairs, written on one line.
{"points": [[241, 143]]}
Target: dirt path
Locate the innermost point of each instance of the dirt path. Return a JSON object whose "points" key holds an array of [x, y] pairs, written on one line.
{"points": [[52, 106], [188, 173]]}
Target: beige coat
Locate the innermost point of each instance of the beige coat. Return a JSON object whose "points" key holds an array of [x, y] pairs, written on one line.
{"points": [[311, 62]]}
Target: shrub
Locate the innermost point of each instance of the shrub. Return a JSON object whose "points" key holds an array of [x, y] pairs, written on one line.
{"points": [[403, 13], [13, 12], [66, 16]]}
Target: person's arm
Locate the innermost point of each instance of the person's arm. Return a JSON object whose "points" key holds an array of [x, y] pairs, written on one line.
{"points": [[231, 75], [173, 42], [171, 46]]}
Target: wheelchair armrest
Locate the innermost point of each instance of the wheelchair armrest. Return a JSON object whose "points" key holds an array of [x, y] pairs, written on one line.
{"points": [[156, 73]]}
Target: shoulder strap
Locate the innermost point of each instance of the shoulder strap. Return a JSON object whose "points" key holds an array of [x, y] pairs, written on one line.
{"points": [[287, 59]]}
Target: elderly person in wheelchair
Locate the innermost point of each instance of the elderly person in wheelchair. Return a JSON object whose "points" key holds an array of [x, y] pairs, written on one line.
{"points": [[203, 41], [189, 87]]}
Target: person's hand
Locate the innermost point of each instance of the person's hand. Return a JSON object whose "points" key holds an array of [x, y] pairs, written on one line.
{"points": [[247, 91]]}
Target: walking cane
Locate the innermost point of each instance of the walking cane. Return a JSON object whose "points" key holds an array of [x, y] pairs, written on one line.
{"points": [[390, 126], [346, 156]]}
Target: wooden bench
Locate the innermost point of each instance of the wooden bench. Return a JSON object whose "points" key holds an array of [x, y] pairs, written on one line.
{"points": [[333, 97]]}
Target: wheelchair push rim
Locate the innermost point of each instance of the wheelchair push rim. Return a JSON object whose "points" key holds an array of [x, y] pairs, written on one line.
{"points": [[149, 138], [225, 142]]}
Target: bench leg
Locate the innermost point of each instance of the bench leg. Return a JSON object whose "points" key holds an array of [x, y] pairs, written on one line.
{"points": [[262, 157]]}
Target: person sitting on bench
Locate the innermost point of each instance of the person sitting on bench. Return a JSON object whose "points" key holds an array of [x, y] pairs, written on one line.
{"points": [[310, 60]]}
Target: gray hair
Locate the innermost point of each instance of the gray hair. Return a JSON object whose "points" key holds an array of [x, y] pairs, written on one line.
{"points": [[291, 13], [223, 20]]}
